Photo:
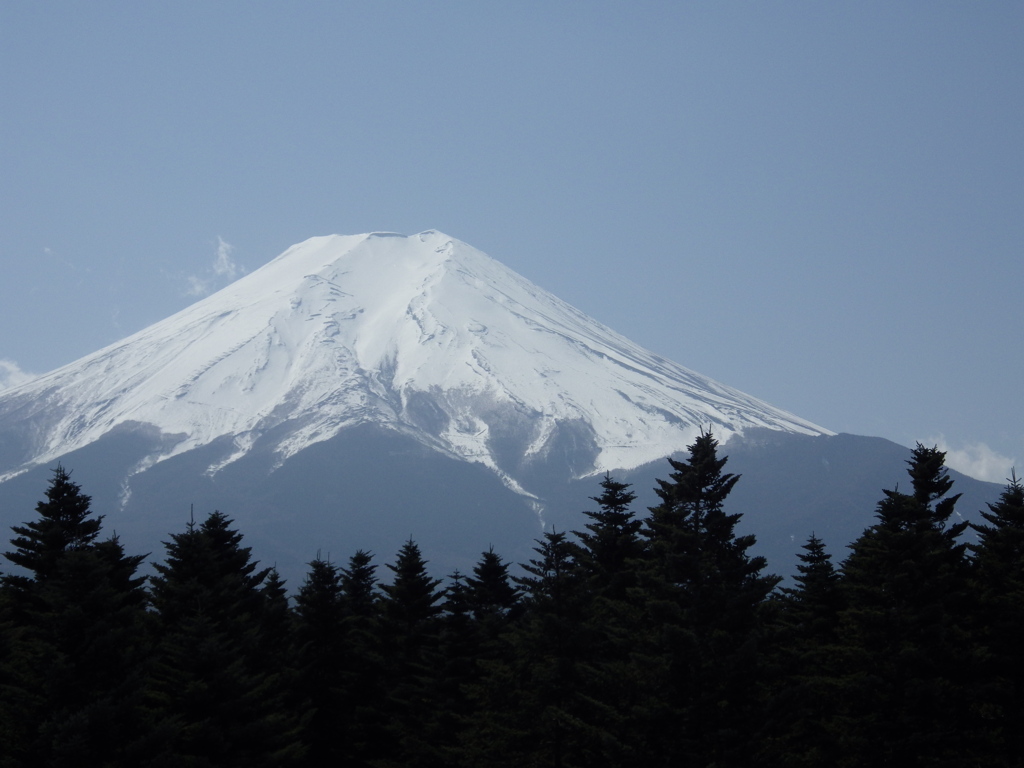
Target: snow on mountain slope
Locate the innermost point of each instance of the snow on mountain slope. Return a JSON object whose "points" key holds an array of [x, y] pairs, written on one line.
{"points": [[421, 334]]}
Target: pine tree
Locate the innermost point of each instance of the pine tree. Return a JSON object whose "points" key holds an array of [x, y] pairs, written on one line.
{"points": [[491, 596], [529, 706], [460, 644], [363, 735], [611, 544], [802, 701], [65, 524], [277, 626], [811, 607], [411, 599], [704, 594], [212, 699], [905, 645], [999, 579], [610, 557], [359, 586], [20, 698], [476, 613], [410, 615], [320, 634], [77, 626]]}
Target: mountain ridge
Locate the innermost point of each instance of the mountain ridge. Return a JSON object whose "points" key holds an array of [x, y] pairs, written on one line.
{"points": [[358, 391], [422, 334]]}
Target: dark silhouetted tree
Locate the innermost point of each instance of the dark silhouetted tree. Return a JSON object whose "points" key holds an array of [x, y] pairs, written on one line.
{"points": [[320, 636], [65, 524], [529, 704], [905, 647], [609, 558], [611, 543], [77, 627], [212, 698], [364, 692], [802, 703], [491, 595], [999, 581], [704, 594], [411, 609]]}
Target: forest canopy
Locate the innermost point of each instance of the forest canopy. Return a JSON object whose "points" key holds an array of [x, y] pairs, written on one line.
{"points": [[637, 640]]}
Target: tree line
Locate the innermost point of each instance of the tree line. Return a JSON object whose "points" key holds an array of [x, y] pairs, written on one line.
{"points": [[653, 641]]}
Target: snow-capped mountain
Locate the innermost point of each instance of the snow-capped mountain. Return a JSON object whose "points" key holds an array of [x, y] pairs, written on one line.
{"points": [[424, 335], [358, 391]]}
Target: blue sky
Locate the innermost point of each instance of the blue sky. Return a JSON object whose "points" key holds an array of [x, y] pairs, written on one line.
{"points": [[821, 204]]}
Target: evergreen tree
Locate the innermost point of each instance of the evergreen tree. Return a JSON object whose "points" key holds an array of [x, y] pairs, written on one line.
{"points": [[611, 544], [476, 613], [363, 721], [456, 609], [276, 618], [812, 606], [410, 614], [320, 634], [490, 594], [704, 594], [803, 697], [276, 649], [16, 699], [211, 693], [529, 705], [359, 586], [76, 627], [610, 557], [90, 614], [411, 599], [460, 644], [905, 645], [208, 572], [65, 524], [999, 579]]}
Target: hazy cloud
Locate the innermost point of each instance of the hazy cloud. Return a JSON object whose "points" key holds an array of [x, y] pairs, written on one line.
{"points": [[198, 286], [224, 270], [976, 460], [11, 374], [223, 264]]}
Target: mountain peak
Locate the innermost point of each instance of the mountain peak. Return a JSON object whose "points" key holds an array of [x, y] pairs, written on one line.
{"points": [[420, 334]]}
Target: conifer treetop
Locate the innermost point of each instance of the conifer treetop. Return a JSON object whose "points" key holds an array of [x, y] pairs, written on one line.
{"points": [[64, 524]]}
